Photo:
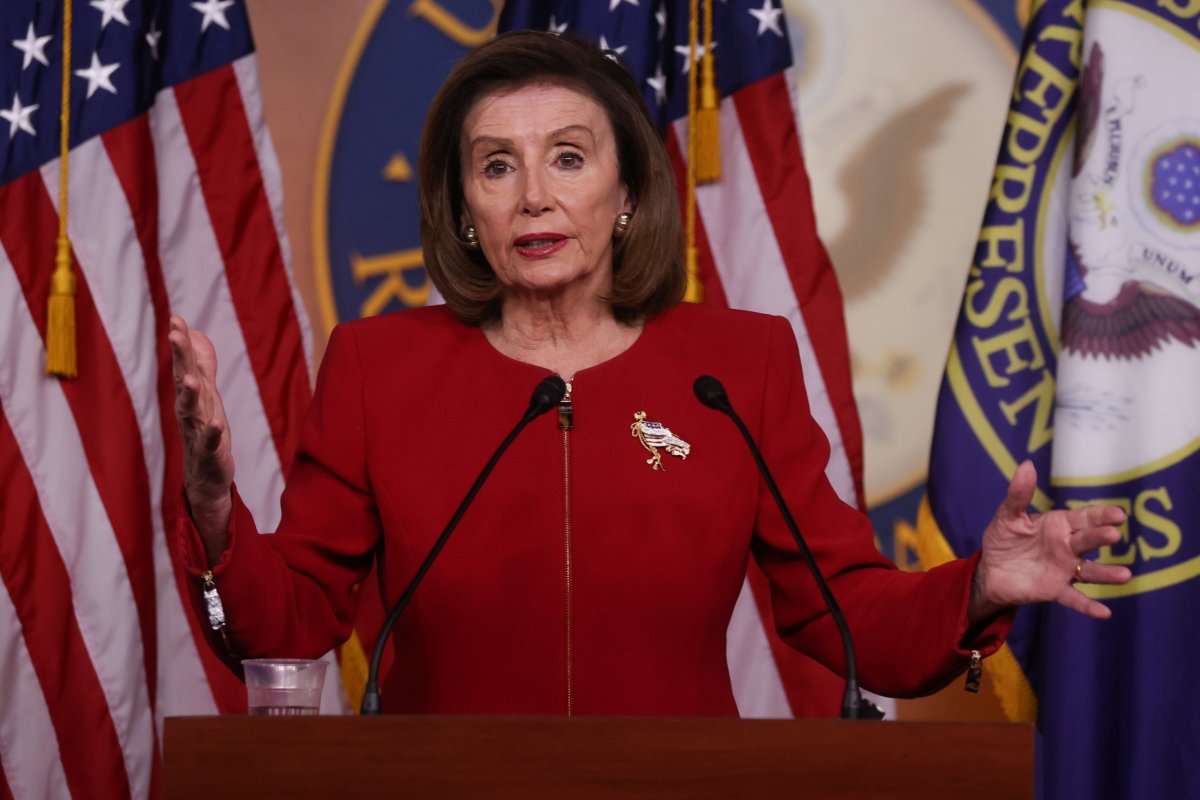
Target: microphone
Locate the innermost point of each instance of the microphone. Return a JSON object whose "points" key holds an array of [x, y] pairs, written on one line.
{"points": [[711, 393], [546, 395]]}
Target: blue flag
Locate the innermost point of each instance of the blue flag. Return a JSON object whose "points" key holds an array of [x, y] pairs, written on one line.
{"points": [[1076, 348]]}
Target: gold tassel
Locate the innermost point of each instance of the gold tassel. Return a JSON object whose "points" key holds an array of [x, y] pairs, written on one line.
{"points": [[60, 323], [695, 290], [708, 136], [60, 317]]}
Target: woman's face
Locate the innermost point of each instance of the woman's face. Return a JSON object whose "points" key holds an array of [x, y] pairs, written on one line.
{"points": [[541, 186]]}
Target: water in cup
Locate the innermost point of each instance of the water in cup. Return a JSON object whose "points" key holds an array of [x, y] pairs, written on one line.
{"points": [[266, 702], [283, 687]]}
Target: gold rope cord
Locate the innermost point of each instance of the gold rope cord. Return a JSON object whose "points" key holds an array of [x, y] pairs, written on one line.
{"points": [[695, 292], [708, 155], [60, 318]]}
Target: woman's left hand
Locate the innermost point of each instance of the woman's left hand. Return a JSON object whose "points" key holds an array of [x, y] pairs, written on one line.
{"points": [[1034, 558]]}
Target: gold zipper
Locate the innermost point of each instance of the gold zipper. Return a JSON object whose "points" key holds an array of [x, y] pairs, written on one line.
{"points": [[566, 422]]}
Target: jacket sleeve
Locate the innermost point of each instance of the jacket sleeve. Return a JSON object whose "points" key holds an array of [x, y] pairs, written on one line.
{"points": [[292, 593], [910, 630]]}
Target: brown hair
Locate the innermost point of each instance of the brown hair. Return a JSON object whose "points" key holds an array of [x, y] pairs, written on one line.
{"points": [[648, 272]]}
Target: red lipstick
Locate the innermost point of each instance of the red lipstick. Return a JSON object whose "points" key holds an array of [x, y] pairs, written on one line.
{"points": [[539, 245]]}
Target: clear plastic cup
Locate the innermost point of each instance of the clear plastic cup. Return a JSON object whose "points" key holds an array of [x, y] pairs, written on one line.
{"points": [[284, 687]]}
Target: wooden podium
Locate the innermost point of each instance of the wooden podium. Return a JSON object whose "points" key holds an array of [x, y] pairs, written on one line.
{"points": [[586, 757]]}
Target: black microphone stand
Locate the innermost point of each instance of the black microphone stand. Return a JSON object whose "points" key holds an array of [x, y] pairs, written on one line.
{"points": [[545, 396], [711, 393]]}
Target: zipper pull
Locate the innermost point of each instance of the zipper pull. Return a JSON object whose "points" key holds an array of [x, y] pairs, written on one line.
{"points": [[974, 673], [216, 610], [212, 602], [566, 412]]}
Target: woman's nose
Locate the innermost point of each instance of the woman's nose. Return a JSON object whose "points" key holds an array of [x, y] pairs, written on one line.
{"points": [[536, 199]]}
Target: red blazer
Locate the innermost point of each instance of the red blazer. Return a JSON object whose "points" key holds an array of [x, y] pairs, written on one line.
{"points": [[581, 579]]}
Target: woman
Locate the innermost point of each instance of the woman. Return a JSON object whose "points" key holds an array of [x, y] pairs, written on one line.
{"points": [[596, 572]]}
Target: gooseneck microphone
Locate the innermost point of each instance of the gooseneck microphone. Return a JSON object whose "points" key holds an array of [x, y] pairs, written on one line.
{"points": [[711, 393], [546, 396]]}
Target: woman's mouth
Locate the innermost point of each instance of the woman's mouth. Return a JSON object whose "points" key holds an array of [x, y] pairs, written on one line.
{"points": [[539, 245]]}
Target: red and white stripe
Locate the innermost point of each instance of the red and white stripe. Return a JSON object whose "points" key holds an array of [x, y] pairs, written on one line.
{"points": [[759, 250], [96, 642]]}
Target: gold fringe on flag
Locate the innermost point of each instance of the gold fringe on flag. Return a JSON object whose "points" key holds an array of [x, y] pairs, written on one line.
{"points": [[708, 133], [355, 665], [60, 320], [695, 291]]}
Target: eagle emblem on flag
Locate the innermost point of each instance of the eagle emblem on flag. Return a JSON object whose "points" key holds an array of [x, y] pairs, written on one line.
{"points": [[1132, 286]]}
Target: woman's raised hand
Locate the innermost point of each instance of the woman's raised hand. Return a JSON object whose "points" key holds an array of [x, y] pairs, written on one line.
{"points": [[1034, 558], [207, 449]]}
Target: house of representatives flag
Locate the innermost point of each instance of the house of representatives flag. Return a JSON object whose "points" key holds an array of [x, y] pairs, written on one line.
{"points": [[1076, 347], [174, 207], [758, 249]]}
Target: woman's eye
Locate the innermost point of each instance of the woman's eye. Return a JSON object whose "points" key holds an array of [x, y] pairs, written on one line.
{"points": [[495, 167], [570, 160]]}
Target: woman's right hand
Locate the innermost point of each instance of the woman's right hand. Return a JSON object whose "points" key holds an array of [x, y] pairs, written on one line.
{"points": [[207, 447]]}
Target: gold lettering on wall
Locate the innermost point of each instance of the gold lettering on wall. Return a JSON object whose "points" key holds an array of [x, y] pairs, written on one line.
{"points": [[398, 169], [393, 267], [432, 12]]}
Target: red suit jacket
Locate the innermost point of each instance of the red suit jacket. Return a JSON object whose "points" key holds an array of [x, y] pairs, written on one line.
{"points": [[581, 580]]}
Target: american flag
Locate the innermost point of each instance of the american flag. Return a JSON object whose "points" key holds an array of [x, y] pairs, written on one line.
{"points": [[758, 249], [175, 206]]}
